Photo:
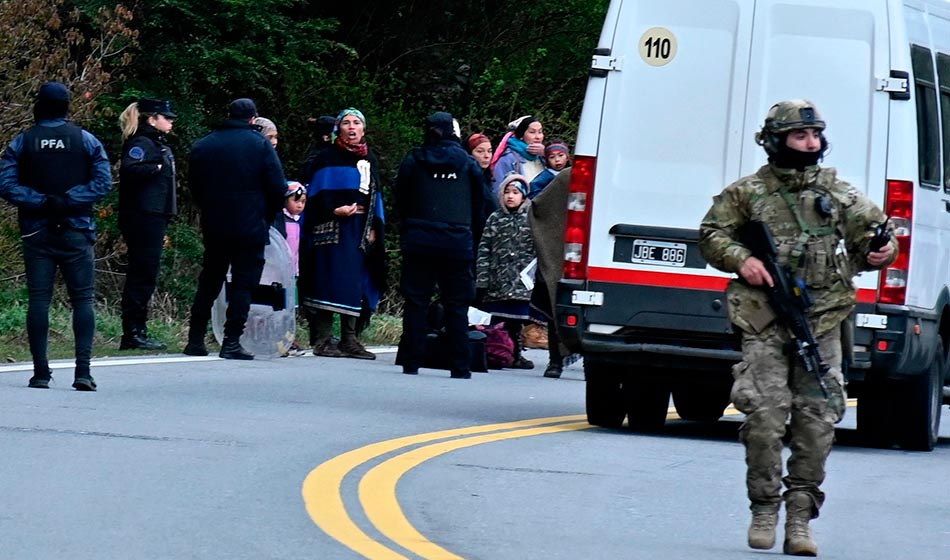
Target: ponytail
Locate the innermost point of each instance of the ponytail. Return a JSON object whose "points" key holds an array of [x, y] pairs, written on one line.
{"points": [[129, 120]]}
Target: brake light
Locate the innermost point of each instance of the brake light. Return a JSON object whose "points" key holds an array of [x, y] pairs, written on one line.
{"points": [[577, 232], [899, 205]]}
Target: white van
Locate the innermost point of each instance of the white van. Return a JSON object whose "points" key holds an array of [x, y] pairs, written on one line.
{"points": [[677, 90]]}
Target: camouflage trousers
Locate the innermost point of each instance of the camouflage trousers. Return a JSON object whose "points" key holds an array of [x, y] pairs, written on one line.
{"points": [[771, 384]]}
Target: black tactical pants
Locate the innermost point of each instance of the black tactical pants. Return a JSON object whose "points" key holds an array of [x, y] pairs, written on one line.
{"points": [[72, 252], [144, 235], [420, 275], [247, 263]]}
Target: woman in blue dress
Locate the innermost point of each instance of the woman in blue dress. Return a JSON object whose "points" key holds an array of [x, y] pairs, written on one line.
{"points": [[342, 268]]}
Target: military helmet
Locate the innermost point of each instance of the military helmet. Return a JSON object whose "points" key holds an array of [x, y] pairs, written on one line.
{"points": [[786, 116]]}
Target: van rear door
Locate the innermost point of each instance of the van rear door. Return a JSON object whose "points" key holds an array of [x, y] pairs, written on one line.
{"points": [[832, 53], [673, 115]]}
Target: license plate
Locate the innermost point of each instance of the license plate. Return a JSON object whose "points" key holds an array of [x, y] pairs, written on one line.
{"points": [[661, 253], [582, 297]]}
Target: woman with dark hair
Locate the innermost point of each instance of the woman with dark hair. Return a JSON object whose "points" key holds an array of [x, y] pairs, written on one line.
{"points": [[522, 151], [342, 268], [146, 205]]}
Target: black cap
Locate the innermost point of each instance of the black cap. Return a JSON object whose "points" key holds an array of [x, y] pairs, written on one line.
{"points": [[242, 108], [157, 106]]}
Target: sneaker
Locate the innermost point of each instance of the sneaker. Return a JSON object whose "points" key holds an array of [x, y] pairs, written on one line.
{"points": [[522, 363], [195, 349], [40, 381], [84, 383], [352, 348], [461, 375]]}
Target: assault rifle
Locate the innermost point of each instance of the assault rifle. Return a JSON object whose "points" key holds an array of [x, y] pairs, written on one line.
{"points": [[788, 297]]}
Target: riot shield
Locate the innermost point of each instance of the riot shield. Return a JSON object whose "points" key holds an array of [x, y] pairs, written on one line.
{"points": [[271, 321]]}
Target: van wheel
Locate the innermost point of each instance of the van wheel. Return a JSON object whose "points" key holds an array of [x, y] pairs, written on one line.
{"points": [[875, 418], [701, 403], [604, 397], [648, 402], [921, 401]]}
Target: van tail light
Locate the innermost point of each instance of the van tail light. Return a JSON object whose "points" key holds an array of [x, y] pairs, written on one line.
{"points": [[899, 205], [577, 233]]}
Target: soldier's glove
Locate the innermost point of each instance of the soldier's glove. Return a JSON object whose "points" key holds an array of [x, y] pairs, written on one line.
{"points": [[55, 207]]}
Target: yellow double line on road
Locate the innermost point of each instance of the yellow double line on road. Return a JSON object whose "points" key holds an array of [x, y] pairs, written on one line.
{"points": [[322, 489], [323, 497]]}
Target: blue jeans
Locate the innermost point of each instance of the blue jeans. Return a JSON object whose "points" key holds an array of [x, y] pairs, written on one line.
{"points": [[72, 252]]}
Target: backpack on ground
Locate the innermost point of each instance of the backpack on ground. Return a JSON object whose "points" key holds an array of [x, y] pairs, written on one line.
{"points": [[499, 348]]}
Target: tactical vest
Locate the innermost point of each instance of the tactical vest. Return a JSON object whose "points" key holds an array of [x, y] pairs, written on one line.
{"points": [[807, 227], [54, 159], [441, 193]]}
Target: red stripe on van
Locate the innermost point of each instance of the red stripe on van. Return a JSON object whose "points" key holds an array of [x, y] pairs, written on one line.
{"points": [[649, 278], [688, 281]]}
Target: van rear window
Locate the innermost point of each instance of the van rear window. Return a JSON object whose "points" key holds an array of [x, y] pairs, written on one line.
{"points": [[943, 77], [928, 122]]}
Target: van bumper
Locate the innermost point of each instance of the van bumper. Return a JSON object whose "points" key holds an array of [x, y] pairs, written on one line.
{"points": [[905, 347], [655, 326]]}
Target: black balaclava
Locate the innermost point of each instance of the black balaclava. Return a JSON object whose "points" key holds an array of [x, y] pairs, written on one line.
{"points": [[787, 158], [52, 102]]}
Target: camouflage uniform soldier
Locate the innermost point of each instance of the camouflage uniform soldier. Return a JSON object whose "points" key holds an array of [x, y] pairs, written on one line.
{"points": [[822, 228]]}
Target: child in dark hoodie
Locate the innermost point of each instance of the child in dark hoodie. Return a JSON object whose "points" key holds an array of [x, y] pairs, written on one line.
{"points": [[507, 248]]}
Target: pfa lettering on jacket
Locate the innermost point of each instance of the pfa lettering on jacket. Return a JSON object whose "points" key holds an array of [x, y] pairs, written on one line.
{"points": [[52, 144]]}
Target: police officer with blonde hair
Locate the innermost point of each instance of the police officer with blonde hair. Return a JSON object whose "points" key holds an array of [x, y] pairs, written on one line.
{"points": [[147, 203], [822, 228]]}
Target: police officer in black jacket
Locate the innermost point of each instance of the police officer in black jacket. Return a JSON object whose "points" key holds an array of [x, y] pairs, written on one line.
{"points": [[238, 183], [443, 206], [147, 202], [54, 173]]}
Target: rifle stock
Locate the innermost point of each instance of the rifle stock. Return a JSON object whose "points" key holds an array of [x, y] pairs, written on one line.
{"points": [[787, 296]]}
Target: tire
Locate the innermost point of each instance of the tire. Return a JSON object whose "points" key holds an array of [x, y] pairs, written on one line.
{"points": [[701, 403], [648, 403], [921, 400], [875, 413], [604, 397]]}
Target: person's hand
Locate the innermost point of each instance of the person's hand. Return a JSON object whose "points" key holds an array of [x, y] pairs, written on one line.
{"points": [[347, 210], [881, 256], [754, 272], [371, 237], [536, 149]]}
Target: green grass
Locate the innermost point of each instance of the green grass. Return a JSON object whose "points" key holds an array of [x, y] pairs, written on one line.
{"points": [[384, 330]]}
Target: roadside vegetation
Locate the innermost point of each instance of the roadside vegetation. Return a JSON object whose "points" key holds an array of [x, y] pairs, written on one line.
{"points": [[486, 62]]}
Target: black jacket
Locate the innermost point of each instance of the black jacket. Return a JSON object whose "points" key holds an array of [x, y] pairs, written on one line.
{"points": [[441, 200], [146, 176], [237, 182]]}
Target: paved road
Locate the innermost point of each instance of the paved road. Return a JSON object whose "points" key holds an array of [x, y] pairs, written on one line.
{"points": [[265, 460]]}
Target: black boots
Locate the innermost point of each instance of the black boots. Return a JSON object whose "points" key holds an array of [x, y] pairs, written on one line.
{"points": [[231, 349], [195, 349], [136, 338]]}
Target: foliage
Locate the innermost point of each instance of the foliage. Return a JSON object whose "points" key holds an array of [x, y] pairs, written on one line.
{"points": [[485, 61]]}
